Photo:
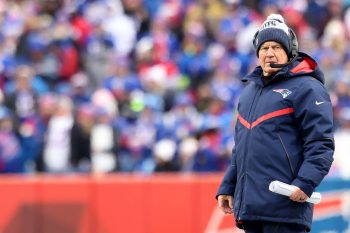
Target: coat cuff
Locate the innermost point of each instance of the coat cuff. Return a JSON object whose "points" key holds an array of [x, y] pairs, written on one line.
{"points": [[227, 190], [306, 188]]}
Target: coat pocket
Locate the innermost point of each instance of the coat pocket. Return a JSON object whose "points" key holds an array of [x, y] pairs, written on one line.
{"points": [[287, 155]]}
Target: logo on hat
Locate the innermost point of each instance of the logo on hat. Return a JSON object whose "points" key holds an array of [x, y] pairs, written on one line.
{"points": [[267, 24]]}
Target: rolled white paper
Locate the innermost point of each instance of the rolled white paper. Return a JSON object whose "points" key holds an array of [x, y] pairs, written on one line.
{"points": [[287, 189]]}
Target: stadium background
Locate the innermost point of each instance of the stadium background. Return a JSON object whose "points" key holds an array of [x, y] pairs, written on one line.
{"points": [[118, 115]]}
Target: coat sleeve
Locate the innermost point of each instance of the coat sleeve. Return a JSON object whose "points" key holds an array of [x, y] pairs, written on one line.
{"points": [[228, 183], [313, 112]]}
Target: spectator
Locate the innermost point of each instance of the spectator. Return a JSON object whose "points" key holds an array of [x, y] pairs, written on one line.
{"points": [[341, 154], [80, 138], [164, 151], [11, 154], [57, 145], [188, 148], [21, 96], [104, 143]]}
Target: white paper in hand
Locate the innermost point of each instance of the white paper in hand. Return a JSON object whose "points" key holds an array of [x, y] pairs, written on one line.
{"points": [[286, 190]]}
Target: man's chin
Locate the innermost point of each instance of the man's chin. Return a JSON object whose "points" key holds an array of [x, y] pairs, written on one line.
{"points": [[270, 71]]}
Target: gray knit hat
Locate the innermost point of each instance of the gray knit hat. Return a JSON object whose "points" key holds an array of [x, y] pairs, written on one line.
{"points": [[273, 29]]}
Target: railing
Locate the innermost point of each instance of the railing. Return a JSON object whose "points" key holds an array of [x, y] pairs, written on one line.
{"points": [[137, 204]]}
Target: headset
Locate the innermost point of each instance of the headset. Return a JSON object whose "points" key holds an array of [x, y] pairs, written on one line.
{"points": [[293, 45]]}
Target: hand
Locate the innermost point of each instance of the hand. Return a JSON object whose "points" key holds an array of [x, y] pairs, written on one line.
{"points": [[225, 203], [298, 195]]}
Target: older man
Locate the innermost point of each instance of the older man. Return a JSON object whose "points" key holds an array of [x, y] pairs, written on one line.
{"points": [[284, 132]]}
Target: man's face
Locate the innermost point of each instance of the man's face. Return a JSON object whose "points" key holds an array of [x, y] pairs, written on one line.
{"points": [[271, 52]]}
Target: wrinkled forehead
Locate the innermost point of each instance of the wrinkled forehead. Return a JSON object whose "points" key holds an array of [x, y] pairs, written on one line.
{"points": [[270, 43]]}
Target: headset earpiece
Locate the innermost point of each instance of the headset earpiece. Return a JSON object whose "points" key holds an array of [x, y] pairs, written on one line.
{"points": [[255, 43], [294, 46]]}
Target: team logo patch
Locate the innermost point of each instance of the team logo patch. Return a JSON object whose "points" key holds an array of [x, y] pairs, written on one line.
{"points": [[283, 92]]}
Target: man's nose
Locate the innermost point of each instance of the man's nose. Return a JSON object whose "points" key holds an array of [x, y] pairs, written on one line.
{"points": [[270, 51]]}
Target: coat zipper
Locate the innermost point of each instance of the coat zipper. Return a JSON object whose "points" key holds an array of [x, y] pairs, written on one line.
{"points": [[254, 104]]}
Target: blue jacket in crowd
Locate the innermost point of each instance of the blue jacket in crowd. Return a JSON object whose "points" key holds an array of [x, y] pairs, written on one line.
{"points": [[284, 132]]}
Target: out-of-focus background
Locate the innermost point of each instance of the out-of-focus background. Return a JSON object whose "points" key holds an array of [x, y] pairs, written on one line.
{"points": [[118, 115]]}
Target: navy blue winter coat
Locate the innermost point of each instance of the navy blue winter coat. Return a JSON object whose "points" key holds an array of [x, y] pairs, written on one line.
{"points": [[284, 132]]}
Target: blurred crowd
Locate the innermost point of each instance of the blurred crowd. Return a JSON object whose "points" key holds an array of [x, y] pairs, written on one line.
{"points": [[100, 86]]}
